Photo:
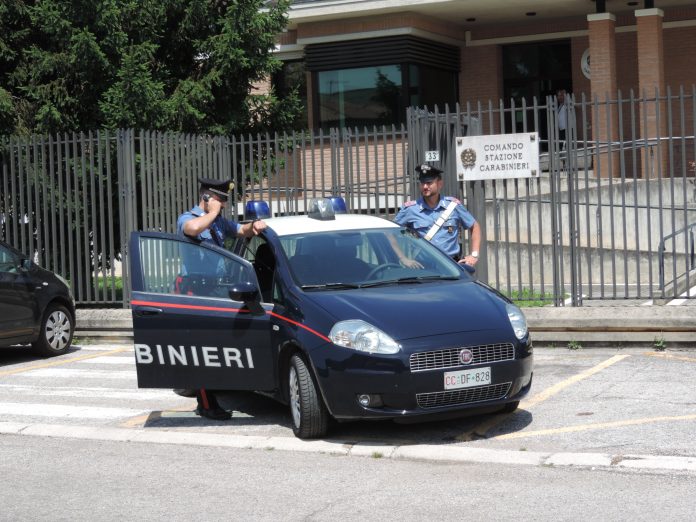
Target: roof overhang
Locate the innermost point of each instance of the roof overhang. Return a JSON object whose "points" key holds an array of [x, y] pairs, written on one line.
{"points": [[485, 12]]}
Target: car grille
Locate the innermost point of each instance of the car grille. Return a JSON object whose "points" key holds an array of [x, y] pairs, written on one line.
{"points": [[449, 358], [466, 396]]}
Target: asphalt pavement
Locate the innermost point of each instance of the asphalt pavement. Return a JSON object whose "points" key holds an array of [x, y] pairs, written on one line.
{"points": [[613, 389], [592, 408]]}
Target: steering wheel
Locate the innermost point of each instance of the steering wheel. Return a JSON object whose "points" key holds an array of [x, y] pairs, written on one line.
{"points": [[376, 270]]}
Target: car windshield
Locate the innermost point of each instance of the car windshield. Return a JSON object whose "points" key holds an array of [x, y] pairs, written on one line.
{"points": [[365, 258]]}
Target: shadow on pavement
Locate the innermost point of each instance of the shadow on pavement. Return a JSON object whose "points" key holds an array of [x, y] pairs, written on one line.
{"points": [[23, 354], [252, 409]]}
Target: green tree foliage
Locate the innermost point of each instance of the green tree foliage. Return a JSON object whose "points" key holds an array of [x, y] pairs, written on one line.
{"points": [[183, 65]]}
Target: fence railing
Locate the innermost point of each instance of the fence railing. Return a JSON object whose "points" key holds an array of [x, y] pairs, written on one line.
{"points": [[71, 201], [589, 227], [603, 220]]}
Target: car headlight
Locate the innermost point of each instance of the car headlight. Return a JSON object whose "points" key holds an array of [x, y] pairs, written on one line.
{"points": [[359, 335], [517, 321]]}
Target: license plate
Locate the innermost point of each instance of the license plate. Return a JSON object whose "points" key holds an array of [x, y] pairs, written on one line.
{"points": [[467, 378]]}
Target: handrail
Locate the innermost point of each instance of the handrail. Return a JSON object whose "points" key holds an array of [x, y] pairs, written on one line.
{"points": [[661, 251]]}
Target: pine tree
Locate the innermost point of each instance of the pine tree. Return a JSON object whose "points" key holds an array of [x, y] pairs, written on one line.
{"points": [[184, 65]]}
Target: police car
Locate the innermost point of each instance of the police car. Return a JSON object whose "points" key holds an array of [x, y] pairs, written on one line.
{"points": [[321, 312]]}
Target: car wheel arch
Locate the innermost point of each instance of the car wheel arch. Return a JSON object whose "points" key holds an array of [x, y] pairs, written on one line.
{"points": [[285, 354]]}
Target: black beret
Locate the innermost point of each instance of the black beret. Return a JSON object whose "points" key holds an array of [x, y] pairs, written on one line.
{"points": [[216, 186], [426, 172]]}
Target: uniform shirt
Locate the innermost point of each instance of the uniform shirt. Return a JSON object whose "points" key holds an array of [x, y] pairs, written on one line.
{"points": [[197, 260], [417, 215], [562, 111], [219, 230]]}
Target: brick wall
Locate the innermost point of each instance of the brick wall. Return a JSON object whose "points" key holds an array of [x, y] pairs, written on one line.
{"points": [[374, 163], [481, 76], [680, 57]]}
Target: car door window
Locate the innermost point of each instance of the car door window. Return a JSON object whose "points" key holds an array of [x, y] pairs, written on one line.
{"points": [[176, 267], [8, 261]]}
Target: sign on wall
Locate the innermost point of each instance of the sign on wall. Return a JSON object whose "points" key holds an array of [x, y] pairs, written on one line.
{"points": [[498, 156]]}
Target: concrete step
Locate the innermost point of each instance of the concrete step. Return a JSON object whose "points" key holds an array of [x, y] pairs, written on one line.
{"points": [[603, 326]]}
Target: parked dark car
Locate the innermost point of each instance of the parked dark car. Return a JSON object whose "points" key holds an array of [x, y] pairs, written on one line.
{"points": [[36, 305], [319, 312]]}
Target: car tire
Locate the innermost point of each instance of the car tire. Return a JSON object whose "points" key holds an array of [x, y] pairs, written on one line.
{"points": [[56, 333], [510, 407], [310, 419]]}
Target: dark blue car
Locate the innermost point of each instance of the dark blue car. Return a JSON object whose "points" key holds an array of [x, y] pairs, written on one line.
{"points": [[343, 316]]}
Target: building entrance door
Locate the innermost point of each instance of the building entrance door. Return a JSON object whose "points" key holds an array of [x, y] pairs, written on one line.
{"points": [[534, 71]]}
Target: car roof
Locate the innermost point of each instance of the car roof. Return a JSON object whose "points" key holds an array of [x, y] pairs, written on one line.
{"points": [[290, 225]]}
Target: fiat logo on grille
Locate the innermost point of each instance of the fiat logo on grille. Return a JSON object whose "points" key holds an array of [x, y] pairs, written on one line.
{"points": [[466, 356]]}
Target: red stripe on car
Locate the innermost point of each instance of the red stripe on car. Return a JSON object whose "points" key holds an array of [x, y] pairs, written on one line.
{"points": [[222, 309]]}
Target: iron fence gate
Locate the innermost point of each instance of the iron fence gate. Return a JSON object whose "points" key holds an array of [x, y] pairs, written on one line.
{"points": [[71, 201], [612, 216]]}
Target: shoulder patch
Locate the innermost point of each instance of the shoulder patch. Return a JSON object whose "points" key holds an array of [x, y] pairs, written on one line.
{"points": [[409, 203], [452, 198]]}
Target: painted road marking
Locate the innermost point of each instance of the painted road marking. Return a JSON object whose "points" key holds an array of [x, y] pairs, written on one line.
{"points": [[67, 373], [482, 429], [61, 362], [89, 392], [110, 359], [596, 426], [102, 347], [140, 420], [61, 411], [662, 355], [556, 388]]}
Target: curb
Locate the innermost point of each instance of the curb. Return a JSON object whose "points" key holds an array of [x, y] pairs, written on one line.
{"points": [[615, 326], [423, 452]]}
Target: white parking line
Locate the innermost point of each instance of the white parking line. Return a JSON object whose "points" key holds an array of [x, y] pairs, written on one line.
{"points": [[101, 347], [110, 359], [60, 411], [63, 373], [92, 393]]}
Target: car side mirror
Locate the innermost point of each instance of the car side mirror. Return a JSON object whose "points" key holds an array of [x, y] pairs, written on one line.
{"points": [[249, 294]]}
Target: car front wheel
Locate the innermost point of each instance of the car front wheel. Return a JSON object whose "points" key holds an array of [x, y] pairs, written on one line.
{"points": [[56, 331], [310, 419]]}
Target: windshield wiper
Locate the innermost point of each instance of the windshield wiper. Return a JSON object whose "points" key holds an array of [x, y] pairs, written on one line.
{"points": [[409, 280], [327, 286]]}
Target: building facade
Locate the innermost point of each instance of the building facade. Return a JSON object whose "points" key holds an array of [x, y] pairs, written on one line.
{"points": [[362, 62]]}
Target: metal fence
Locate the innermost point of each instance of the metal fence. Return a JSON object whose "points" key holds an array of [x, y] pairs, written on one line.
{"points": [[71, 201], [611, 217]]}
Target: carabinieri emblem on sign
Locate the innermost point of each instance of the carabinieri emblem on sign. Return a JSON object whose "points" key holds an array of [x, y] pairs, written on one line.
{"points": [[468, 157]]}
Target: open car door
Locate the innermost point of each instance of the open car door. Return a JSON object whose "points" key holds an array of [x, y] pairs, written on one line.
{"points": [[189, 332]]}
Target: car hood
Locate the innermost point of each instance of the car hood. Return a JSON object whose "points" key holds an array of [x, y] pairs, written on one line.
{"points": [[417, 310]]}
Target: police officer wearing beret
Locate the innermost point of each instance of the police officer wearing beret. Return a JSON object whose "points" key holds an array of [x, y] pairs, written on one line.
{"points": [[423, 216], [206, 223]]}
